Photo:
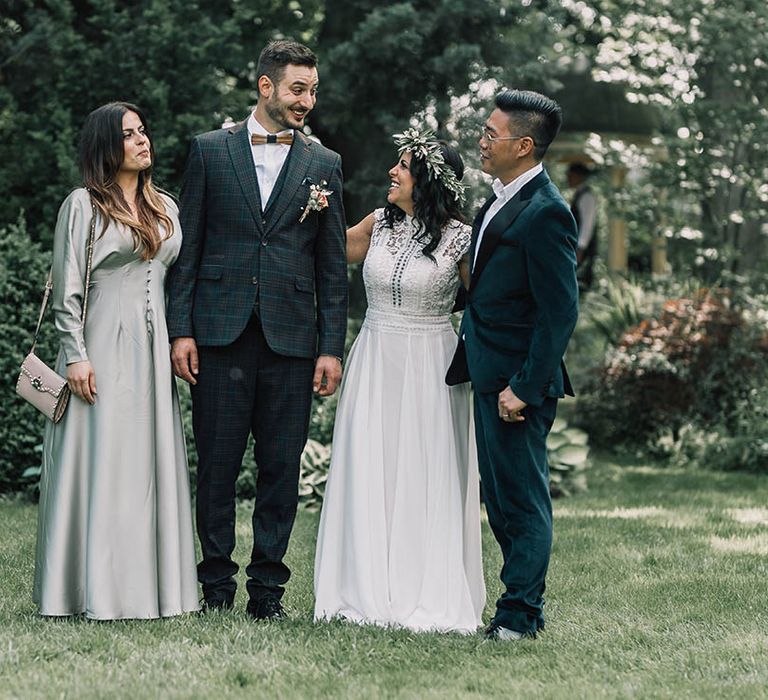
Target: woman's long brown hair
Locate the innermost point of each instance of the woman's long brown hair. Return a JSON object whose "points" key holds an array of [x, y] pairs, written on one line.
{"points": [[101, 155]]}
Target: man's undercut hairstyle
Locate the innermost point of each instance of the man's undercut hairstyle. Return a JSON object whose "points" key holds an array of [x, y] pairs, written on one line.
{"points": [[532, 114], [276, 55]]}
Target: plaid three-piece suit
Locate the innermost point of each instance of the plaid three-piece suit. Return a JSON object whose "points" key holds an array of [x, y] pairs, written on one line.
{"points": [[262, 294]]}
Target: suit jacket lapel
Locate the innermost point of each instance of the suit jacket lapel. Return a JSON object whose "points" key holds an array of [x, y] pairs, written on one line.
{"points": [[504, 218], [496, 226], [239, 146], [476, 224], [295, 171]]}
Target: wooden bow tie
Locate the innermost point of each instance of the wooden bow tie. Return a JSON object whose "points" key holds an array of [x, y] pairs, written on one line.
{"points": [[260, 139]]}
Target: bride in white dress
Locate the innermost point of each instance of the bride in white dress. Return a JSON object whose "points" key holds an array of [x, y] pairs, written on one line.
{"points": [[399, 538]]}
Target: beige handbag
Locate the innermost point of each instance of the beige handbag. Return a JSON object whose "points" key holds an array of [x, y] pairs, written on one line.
{"points": [[38, 384]]}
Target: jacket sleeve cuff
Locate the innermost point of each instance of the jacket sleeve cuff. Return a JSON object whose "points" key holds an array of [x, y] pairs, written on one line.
{"points": [[527, 393], [336, 352], [327, 354], [180, 330]]}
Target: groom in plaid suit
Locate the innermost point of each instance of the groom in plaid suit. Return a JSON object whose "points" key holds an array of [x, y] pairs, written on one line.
{"points": [[257, 313]]}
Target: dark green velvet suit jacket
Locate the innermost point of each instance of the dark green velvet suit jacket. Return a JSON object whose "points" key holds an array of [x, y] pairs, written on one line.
{"points": [[237, 250], [522, 302]]}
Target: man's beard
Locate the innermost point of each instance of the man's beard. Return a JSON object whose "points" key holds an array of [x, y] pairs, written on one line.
{"points": [[278, 113]]}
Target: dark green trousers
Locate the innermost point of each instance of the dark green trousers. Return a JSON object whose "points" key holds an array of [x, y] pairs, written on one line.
{"points": [[515, 481]]}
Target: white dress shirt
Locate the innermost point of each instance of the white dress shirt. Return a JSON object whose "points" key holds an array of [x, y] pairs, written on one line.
{"points": [[268, 159], [503, 194]]}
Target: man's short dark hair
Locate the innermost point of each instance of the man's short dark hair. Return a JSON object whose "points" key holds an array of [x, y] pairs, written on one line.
{"points": [[534, 115], [276, 55]]}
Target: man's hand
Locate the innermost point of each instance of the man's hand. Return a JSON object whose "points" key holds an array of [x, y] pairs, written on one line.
{"points": [[184, 359], [82, 381], [327, 375], [510, 407]]}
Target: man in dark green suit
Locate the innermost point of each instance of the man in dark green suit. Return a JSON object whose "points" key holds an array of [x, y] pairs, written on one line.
{"points": [[521, 308], [257, 313]]}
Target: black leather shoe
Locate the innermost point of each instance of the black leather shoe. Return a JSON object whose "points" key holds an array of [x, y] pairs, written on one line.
{"points": [[216, 603], [266, 608]]}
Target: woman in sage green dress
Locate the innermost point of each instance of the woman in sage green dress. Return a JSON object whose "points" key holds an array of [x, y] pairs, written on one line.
{"points": [[115, 534]]}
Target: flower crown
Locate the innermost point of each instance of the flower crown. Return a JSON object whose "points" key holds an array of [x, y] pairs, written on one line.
{"points": [[426, 146]]}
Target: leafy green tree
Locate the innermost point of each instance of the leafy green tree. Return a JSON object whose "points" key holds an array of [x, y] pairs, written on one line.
{"points": [[188, 63], [385, 61], [704, 64]]}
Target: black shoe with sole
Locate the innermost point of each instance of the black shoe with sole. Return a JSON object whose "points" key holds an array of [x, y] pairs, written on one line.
{"points": [[265, 608]]}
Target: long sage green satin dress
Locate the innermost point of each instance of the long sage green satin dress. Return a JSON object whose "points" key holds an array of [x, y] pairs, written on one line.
{"points": [[115, 537]]}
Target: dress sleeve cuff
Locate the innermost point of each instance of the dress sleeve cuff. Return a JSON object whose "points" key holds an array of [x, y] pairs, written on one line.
{"points": [[73, 347]]}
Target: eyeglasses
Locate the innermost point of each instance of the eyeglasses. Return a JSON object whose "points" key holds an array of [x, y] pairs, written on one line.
{"points": [[490, 138]]}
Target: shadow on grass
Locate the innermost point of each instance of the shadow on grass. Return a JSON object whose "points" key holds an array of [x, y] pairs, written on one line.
{"points": [[629, 479]]}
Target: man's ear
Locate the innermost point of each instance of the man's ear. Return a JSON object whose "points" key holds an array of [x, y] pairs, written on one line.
{"points": [[265, 86], [526, 147]]}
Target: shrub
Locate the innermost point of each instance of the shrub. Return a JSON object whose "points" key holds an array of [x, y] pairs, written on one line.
{"points": [[617, 305], [745, 449], [698, 366], [315, 461], [568, 457], [24, 268]]}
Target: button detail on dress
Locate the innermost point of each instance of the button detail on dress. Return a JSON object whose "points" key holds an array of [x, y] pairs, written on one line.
{"points": [[148, 308]]}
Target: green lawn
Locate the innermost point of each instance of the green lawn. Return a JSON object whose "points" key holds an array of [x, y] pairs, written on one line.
{"points": [[658, 588]]}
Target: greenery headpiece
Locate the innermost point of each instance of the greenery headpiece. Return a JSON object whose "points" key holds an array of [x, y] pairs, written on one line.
{"points": [[426, 146]]}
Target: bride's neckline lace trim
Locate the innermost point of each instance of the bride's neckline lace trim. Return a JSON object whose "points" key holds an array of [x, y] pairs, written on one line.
{"points": [[406, 228]]}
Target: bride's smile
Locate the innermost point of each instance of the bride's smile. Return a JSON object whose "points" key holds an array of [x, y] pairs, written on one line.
{"points": [[400, 192]]}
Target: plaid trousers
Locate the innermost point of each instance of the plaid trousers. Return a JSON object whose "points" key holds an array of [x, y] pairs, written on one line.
{"points": [[247, 387]]}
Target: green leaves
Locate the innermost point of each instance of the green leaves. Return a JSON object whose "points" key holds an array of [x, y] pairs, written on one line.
{"points": [[23, 271], [568, 456], [315, 461], [185, 63]]}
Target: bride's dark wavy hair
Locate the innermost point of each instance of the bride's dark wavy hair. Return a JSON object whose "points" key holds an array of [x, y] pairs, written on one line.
{"points": [[433, 204]]}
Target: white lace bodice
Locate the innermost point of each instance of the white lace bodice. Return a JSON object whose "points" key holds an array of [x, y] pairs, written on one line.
{"points": [[400, 279]]}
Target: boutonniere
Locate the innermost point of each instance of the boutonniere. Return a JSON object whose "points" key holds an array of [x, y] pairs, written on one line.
{"points": [[318, 198]]}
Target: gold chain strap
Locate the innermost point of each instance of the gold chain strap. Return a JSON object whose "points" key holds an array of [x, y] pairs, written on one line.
{"points": [[49, 282]]}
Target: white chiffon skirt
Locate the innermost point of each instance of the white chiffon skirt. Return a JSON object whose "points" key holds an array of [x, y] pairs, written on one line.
{"points": [[399, 538]]}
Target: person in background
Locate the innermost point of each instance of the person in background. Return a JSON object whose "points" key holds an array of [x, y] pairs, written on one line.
{"points": [[584, 210]]}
